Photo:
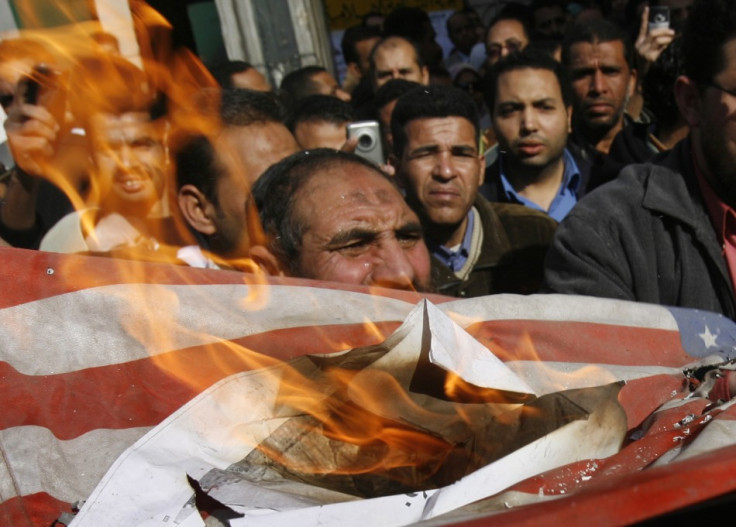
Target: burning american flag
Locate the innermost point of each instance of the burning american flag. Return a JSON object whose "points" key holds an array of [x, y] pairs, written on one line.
{"points": [[180, 375]]}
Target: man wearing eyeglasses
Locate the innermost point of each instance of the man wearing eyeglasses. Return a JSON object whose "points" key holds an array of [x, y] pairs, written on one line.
{"points": [[507, 33], [665, 232]]}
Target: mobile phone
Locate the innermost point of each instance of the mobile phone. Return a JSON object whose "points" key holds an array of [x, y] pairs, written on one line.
{"points": [[46, 86], [370, 145], [659, 17]]}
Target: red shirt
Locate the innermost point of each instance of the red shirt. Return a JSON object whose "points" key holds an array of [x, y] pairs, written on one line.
{"points": [[723, 218]]}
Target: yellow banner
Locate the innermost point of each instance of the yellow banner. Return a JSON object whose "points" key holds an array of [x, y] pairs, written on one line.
{"points": [[342, 14]]}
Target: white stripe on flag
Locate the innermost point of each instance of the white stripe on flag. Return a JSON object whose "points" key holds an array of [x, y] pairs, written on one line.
{"points": [[67, 470], [562, 308], [114, 324], [549, 376]]}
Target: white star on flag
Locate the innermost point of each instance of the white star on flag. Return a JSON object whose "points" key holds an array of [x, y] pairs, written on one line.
{"points": [[709, 339]]}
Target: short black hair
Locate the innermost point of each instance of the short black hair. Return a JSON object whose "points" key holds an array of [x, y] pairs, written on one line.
{"points": [[223, 71], [275, 194], [239, 107], [597, 30], [407, 22], [298, 83], [527, 59], [428, 102], [392, 90], [710, 25], [125, 89], [321, 108], [197, 162], [352, 36], [517, 12]]}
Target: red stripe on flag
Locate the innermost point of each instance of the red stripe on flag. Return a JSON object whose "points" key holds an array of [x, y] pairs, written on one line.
{"points": [[33, 275], [580, 342], [32, 510], [663, 435], [629, 498], [144, 392], [641, 397]]}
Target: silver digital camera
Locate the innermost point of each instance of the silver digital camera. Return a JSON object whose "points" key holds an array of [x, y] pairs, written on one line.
{"points": [[370, 145]]}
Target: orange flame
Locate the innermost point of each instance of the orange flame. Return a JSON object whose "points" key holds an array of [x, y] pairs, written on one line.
{"points": [[408, 439]]}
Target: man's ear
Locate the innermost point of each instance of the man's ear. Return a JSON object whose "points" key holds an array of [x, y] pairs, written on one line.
{"points": [[687, 95], [266, 260], [425, 76], [197, 210], [353, 69], [569, 119], [482, 168], [631, 89], [395, 162]]}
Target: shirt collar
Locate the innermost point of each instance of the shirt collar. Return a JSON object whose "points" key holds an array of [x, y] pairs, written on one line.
{"points": [[455, 259], [718, 211], [570, 178]]}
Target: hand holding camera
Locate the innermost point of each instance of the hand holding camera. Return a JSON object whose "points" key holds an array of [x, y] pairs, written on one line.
{"points": [[36, 117], [654, 36]]}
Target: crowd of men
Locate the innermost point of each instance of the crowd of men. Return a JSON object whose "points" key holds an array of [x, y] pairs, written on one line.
{"points": [[565, 147]]}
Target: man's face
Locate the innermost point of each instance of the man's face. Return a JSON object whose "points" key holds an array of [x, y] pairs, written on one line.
{"points": [[11, 71], [246, 152], [461, 30], [130, 161], [716, 128], [364, 48], [602, 84], [320, 134], [251, 79], [529, 117], [441, 170], [384, 117], [550, 21], [261, 145], [327, 85], [359, 230], [396, 59], [504, 37]]}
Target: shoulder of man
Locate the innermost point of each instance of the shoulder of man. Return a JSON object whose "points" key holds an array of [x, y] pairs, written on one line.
{"points": [[522, 224], [491, 187]]}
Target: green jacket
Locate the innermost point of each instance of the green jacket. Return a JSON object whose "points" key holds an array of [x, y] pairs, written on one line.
{"points": [[514, 243]]}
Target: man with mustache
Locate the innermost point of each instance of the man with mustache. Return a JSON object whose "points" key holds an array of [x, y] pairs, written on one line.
{"points": [[479, 248], [531, 115], [600, 58], [334, 216], [664, 232], [125, 211]]}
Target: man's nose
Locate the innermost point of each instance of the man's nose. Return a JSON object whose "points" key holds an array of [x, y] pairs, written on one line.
{"points": [[393, 269], [124, 156], [443, 167], [598, 83], [528, 121]]}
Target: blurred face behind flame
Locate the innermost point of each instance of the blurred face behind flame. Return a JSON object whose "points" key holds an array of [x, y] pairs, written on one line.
{"points": [[130, 162]]}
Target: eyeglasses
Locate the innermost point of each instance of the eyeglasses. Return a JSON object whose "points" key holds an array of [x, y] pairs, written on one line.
{"points": [[713, 84]]}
